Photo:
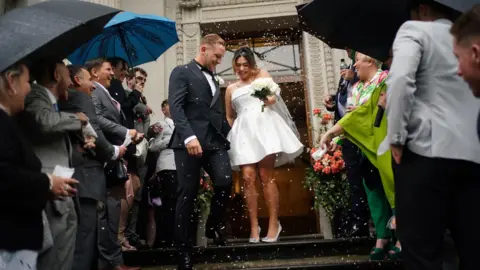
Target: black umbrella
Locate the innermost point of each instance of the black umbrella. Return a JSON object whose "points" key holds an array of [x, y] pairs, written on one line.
{"points": [[49, 29], [368, 26]]}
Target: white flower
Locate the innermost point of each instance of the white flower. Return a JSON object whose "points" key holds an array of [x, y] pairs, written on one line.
{"points": [[219, 80], [262, 83]]}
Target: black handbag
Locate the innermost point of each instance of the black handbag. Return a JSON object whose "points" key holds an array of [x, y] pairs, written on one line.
{"points": [[116, 173]]}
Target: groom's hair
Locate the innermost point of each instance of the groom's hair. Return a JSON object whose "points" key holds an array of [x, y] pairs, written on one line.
{"points": [[212, 39]]}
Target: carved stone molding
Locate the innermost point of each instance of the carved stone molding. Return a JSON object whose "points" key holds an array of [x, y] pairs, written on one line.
{"points": [[188, 4], [191, 40], [252, 10], [179, 45], [320, 76], [215, 3]]}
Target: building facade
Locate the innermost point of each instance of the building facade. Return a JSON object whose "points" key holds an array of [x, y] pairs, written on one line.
{"points": [[305, 67], [315, 65]]}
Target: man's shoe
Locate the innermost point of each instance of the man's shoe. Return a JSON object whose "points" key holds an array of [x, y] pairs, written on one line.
{"points": [[185, 261], [217, 234]]}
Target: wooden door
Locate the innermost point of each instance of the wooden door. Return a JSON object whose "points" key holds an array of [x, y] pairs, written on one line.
{"points": [[296, 214]]}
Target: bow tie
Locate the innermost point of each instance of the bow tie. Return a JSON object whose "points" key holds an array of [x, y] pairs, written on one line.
{"points": [[204, 69]]}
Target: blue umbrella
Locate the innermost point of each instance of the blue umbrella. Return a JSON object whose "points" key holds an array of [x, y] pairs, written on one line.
{"points": [[138, 39]]}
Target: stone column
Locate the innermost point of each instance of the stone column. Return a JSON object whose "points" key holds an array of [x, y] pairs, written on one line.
{"points": [[189, 30], [320, 80]]}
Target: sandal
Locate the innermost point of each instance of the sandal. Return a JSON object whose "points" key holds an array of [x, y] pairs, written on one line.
{"points": [[377, 254], [126, 245], [394, 252]]}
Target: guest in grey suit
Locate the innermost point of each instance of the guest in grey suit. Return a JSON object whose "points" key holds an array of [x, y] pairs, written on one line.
{"points": [[52, 146], [109, 119], [167, 174], [466, 32], [90, 173], [431, 129]]}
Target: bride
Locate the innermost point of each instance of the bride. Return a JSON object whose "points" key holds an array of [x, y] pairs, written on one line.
{"points": [[259, 140]]}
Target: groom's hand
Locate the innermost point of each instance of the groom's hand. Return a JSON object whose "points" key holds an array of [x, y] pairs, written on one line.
{"points": [[194, 148]]}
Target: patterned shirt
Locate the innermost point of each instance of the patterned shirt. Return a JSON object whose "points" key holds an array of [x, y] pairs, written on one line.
{"points": [[362, 92]]}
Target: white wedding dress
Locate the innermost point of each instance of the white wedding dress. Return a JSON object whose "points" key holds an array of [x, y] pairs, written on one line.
{"points": [[256, 134]]}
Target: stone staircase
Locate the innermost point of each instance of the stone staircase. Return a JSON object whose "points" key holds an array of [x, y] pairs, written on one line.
{"points": [[298, 252]]}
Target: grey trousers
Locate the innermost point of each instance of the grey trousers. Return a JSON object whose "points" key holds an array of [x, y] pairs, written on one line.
{"points": [[92, 237], [109, 249], [62, 220]]}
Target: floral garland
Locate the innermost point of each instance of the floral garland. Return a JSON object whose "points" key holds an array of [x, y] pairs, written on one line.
{"points": [[326, 177]]}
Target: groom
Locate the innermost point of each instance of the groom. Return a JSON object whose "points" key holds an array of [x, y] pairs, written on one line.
{"points": [[199, 140]]}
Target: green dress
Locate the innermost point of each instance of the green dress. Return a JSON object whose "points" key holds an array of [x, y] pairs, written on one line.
{"points": [[358, 128]]}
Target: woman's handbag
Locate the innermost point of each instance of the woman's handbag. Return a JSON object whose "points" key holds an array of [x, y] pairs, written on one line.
{"points": [[116, 173]]}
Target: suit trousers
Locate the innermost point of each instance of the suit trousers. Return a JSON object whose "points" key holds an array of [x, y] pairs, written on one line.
{"points": [[62, 219], [90, 234], [168, 194], [433, 194], [217, 164], [109, 249], [353, 159]]}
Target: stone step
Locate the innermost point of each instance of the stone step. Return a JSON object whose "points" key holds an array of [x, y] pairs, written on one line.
{"points": [[240, 252], [352, 262]]}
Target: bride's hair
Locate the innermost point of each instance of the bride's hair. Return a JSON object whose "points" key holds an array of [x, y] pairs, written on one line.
{"points": [[247, 53]]}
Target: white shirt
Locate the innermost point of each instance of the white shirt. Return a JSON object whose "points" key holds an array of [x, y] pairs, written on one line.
{"points": [[213, 87]]}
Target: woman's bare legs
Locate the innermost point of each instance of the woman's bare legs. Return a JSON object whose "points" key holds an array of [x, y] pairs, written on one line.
{"points": [[131, 187], [266, 169], [151, 227], [249, 176]]}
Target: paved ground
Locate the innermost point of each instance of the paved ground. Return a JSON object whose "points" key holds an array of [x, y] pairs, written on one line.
{"points": [[270, 263]]}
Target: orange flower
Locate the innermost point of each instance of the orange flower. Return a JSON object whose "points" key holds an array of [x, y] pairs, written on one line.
{"points": [[327, 170], [327, 117], [318, 167], [313, 150], [317, 111], [337, 154]]}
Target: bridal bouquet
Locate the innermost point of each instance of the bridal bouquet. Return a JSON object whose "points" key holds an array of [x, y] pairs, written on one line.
{"points": [[263, 88]]}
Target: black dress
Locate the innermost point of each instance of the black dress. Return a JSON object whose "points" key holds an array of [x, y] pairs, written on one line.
{"points": [[24, 190]]}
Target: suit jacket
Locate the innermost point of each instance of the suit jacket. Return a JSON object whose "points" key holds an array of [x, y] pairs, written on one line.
{"points": [[21, 183], [141, 119], [430, 108], [109, 117], [48, 130], [166, 159], [127, 102], [88, 169], [195, 111]]}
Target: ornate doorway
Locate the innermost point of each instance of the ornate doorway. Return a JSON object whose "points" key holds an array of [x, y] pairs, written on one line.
{"points": [[280, 54]]}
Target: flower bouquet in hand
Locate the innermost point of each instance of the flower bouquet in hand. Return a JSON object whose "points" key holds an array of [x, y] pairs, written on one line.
{"points": [[263, 88], [205, 193]]}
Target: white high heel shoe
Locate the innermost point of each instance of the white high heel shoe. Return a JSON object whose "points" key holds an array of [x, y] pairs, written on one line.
{"points": [[256, 240], [273, 240]]}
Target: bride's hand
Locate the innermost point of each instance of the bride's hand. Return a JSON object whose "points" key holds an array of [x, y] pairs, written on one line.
{"points": [[270, 100]]}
